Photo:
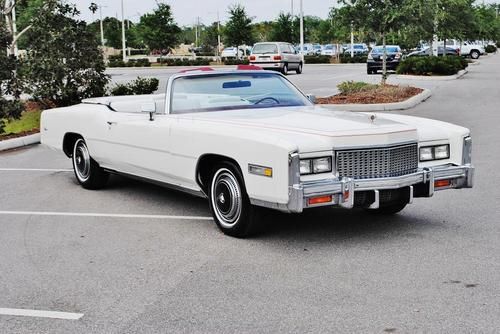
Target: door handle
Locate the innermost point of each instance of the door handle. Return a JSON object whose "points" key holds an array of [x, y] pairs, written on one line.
{"points": [[111, 123]]}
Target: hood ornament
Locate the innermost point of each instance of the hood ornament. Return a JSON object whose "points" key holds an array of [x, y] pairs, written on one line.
{"points": [[373, 117]]}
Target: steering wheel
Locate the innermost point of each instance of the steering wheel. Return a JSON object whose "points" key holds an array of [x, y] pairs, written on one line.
{"points": [[267, 98]]}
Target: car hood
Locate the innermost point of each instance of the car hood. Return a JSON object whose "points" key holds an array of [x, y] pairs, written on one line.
{"points": [[312, 128]]}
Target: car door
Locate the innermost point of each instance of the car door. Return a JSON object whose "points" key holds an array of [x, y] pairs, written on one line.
{"points": [[139, 146]]}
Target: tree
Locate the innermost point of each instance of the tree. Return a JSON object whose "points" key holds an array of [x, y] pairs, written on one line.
{"points": [[64, 64], [282, 29], [379, 16], [158, 30], [9, 108], [210, 37], [238, 30]]}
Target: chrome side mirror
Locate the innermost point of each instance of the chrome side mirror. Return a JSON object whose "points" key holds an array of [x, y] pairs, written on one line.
{"points": [[311, 98], [149, 107]]}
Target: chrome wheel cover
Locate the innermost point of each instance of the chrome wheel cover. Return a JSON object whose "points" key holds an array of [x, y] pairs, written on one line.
{"points": [[226, 197], [81, 160]]}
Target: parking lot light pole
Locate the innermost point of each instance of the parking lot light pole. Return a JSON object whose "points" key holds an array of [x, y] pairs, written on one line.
{"points": [[101, 25], [301, 31], [124, 52]]}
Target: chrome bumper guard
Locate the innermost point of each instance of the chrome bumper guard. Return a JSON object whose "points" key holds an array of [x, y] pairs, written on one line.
{"points": [[342, 190]]}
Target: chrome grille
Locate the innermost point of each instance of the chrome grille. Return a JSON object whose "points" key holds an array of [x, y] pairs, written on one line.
{"points": [[377, 162]]}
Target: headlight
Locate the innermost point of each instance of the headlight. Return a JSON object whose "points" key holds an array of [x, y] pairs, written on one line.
{"points": [[322, 165], [316, 165], [438, 152]]}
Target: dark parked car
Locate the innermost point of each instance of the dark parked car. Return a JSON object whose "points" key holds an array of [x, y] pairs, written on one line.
{"points": [[427, 52], [374, 62]]}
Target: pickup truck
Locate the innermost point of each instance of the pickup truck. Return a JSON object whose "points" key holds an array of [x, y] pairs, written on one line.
{"points": [[465, 49]]}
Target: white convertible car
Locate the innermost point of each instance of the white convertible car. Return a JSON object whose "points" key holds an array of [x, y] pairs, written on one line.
{"points": [[248, 139]]}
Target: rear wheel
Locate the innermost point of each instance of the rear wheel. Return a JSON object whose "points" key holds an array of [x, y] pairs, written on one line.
{"points": [[87, 171], [299, 69], [368, 71], [229, 203], [284, 70], [474, 54]]}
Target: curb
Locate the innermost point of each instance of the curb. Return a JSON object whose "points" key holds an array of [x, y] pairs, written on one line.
{"points": [[431, 78], [13, 143], [410, 103]]}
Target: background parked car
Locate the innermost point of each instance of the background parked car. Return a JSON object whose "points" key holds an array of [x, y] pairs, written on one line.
{"points": [[231, 52], [359, 48], [329, 50], [427, 52], [374, 61], [317, 49], [276, 56]]}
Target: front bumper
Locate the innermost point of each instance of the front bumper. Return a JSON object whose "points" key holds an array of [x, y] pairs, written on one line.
{"points": [[392, 65], [342, 191]]}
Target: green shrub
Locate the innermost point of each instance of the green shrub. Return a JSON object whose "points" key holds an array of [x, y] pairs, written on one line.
{"points": [[498, 45], [183, 61], [448, 65], [490, 48], [317, 59], [115, 57], [235, 61], [349, 87], [139, 86], [345, 58], [117, 63]]}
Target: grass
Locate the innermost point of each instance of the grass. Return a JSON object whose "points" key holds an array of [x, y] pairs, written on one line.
{"points": [[29, 121]]}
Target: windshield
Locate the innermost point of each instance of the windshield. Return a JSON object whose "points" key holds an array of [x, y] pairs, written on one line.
{"points": [[265, 48], [329, 47], [216, 92], [358, 46], [390, 49]]}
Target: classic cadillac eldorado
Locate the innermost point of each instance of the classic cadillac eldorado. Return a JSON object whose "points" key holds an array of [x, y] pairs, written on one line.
{"points": [[246, 139]]}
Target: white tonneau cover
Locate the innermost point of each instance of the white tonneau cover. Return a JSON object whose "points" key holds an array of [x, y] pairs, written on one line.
{"points": [[131, 103]]}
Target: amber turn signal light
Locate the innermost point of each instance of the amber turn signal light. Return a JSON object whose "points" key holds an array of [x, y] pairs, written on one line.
{"points": [[320, 199], [442, 183]]}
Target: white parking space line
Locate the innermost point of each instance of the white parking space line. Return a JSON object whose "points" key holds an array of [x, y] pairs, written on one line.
{"points": [[34, 170], [106, 215], [40, 314]]}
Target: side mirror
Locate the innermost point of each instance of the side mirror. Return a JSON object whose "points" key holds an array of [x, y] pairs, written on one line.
{"points": [[311, 98], [149, 107]]}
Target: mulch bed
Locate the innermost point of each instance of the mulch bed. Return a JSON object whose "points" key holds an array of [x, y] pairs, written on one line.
{"points": [[17, 135], [381, 94]]}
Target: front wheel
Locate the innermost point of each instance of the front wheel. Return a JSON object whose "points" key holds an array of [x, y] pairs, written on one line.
{"points": [[229, 203], [87, 171]]}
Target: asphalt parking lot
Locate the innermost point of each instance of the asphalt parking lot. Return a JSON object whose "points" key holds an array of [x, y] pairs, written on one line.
{"points": [[320, 80], [137, 258]]}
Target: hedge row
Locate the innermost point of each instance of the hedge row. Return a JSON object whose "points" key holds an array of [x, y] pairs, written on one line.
{"points": [[317, 59], [236, 61], [183, 61], [130, 63], [448, 65], [346, 58], [490, 48], [139, 86]]}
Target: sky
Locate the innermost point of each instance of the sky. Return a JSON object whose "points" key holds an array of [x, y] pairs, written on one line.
{"points": [[186, 11]]}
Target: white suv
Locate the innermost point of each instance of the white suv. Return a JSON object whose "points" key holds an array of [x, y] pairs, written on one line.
{"points": [[276, 56]]}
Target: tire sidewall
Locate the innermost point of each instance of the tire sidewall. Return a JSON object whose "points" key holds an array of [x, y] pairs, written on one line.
{"points": [[242, 225], [80, 179]]}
